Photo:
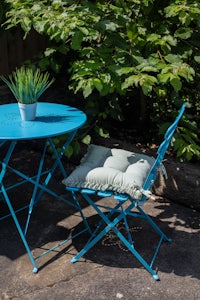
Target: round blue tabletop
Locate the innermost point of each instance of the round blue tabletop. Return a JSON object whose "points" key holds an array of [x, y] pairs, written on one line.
{"points": [[51, 120]]}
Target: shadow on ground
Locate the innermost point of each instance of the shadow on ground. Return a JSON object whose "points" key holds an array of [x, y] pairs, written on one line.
{"points": [[181, 256]]}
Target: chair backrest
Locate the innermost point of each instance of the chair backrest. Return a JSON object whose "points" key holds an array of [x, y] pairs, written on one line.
{"points": [[161, 153]]}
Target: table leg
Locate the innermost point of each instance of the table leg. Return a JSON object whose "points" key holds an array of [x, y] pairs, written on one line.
{"points": [[38, 190], [4, 163], [35, 268], [57, 163], [37, 181], [7, 200], [6, 159]]}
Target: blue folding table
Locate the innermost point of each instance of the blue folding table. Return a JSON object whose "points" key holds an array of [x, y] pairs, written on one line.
{"points": [[52, 120]]}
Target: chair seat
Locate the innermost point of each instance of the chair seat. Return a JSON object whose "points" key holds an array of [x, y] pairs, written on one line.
{"points": [[107, 169]]}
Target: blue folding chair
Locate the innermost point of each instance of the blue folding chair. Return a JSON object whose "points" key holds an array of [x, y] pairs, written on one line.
{"points": [[129, 178]]}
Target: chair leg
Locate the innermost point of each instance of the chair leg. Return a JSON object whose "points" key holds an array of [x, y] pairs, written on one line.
{"points": [[127, 227], [153, 225], [112, 225], [81, 213]]}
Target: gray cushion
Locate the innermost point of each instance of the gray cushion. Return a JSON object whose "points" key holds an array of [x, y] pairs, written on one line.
{"points": [[111, 169]]}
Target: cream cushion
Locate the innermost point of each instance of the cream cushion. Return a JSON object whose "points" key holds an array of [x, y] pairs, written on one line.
{"points": [[118, 170]]}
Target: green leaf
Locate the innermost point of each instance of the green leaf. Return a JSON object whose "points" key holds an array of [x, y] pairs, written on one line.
{"points": [[130, 81], [132, 32], [153, 37], [147, 82], [69, 151], [101, 132], [56, 141], [26, 25], [87, 90], [183, 33], [172, 58], [86, 139], [124, 70], [109, 25], [148, 69], [178, 143], [41, 26], [197, 58], [77, 40], [164, 78], [49, 51], [176, 83], [185, 18], [161, 92], [98, 84]]}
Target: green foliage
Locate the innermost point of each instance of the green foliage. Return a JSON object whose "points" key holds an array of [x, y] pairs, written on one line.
{"points": [[27, 85], [120, 48], [185, 146], [184, 140], [72, 149]]}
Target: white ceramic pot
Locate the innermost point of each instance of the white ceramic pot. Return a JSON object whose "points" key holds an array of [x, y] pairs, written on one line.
{"points": [[27, 111]]}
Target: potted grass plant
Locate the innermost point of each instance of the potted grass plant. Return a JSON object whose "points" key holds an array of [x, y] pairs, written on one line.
{"points": [[27, 85]]}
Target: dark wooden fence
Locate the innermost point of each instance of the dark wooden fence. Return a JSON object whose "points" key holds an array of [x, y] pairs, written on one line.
{"points": [[14, 50]]}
